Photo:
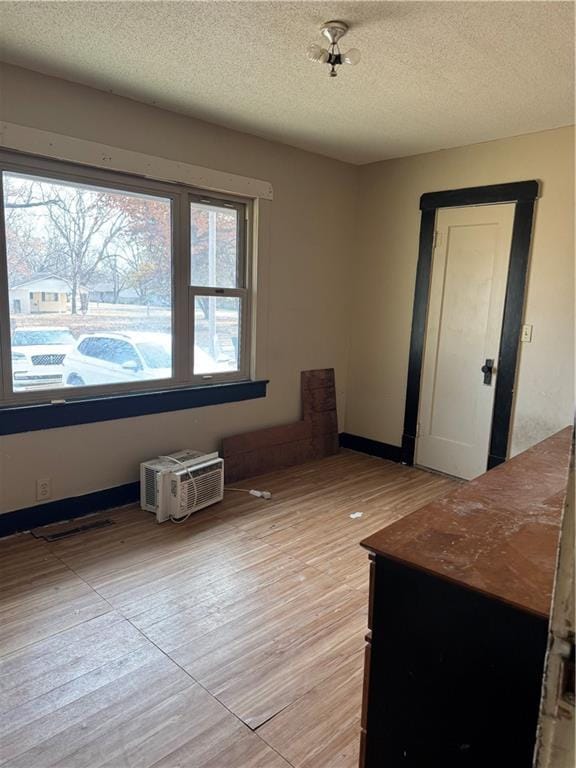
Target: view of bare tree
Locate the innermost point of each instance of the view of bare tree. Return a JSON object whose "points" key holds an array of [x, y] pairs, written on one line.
{"points": [[84, 234]]}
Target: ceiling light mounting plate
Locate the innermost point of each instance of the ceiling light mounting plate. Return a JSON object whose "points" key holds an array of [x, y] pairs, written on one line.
{"points": [[334, 31]]}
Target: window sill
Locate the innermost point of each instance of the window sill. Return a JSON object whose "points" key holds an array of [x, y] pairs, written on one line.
{"points": [[29, 418]]}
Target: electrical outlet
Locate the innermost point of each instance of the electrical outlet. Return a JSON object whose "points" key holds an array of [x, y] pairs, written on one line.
{"points": [[526, 333], [43, 489]]}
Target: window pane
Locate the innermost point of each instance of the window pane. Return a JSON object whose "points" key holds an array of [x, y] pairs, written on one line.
{"points": [[90, 284], [214, 246], [216, 334]]}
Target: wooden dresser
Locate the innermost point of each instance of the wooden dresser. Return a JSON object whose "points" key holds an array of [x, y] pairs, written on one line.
{"points": [[460, 595]]}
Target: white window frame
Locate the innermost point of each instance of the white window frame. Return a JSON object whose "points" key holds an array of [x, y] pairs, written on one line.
{"points": [[183, 294], [244, 275]]}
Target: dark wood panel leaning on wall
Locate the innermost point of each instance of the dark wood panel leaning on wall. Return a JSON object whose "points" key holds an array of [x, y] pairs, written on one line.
{"points": [[313, 437]]}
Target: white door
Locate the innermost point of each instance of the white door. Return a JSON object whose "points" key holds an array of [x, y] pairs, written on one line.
{"points": [[467, 291]]}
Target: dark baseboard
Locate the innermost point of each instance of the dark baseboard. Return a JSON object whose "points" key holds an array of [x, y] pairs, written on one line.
{"points": [[66, 509], [373, 447], [408, 449], [494, 461]]}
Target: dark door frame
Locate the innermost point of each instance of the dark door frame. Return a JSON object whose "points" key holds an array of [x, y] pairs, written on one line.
{"points": [[523, 194]]}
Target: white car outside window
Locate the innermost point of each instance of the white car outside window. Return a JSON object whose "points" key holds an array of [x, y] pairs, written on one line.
{"points": [[123, 357], [38, 354]]}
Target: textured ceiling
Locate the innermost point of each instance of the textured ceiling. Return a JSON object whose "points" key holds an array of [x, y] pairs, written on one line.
{"points": [[433, 74]]}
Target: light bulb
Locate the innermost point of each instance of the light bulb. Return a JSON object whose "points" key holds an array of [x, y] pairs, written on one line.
{"points": [[317, 53], [351, 57]]}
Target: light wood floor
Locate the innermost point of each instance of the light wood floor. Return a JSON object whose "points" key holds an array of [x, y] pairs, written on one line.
{"points": [[232, 641]]}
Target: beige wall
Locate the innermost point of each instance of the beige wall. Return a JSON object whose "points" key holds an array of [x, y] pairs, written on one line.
{"points": [[385, 260], [303, 275]]}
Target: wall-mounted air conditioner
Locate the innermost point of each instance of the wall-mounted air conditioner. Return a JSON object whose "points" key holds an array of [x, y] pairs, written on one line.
{"points": [[176, 485]]}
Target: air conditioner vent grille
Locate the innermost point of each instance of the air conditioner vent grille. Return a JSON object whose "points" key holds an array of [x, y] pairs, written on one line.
{"points": [[150, 486], [204, 489]]}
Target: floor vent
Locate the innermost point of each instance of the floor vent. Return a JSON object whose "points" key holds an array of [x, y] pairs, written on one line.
{"points": [[64, 534]]}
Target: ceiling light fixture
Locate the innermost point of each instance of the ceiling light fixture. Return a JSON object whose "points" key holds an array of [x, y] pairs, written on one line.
{"points": [[333, 31]]}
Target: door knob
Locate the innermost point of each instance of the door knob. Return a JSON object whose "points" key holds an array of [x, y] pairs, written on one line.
{"points": [[488, 369]]}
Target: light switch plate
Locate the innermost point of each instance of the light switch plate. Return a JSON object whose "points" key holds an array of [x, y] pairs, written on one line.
{"points": [[526, 333]]}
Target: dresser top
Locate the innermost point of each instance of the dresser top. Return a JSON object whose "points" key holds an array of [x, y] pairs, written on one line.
{"points": [[497, 534]]}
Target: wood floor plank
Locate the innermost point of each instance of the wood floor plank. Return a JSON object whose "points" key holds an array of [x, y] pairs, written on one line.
{"points": [[38, 668], [39, 595], [216, 739], [295, 492], [177, 604], [322, 729], [151, 715], [331, 529], [259, 663], [137, 545], [221, 613], [275, 676], [42, 725]]}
